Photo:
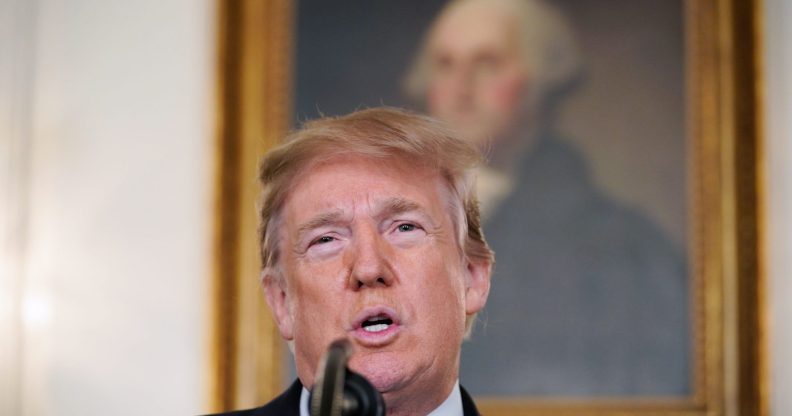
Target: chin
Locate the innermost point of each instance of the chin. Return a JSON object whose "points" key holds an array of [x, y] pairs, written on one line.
{"points": [[384, 371]]}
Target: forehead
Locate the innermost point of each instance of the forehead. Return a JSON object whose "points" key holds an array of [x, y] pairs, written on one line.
{"points": [[356, 183], [471, 26]]}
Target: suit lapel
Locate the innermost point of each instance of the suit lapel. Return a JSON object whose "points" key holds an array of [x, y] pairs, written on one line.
{"points": [[468, 406], [288, 403]]}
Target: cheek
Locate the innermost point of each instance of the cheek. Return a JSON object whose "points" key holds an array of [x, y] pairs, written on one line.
{"points": [[438, 97], [312, 305], [505, 94], [445, 288]]}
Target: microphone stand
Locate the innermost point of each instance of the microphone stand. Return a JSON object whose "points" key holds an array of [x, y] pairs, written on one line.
{"points": [[341, 392]]}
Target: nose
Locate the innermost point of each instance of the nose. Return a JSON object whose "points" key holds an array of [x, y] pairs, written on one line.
{"points": [[369, 258], [461, 85]]}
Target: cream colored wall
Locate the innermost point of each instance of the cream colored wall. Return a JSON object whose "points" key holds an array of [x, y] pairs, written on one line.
{"points": [[778, 122], [16, 60], [111, 267]]}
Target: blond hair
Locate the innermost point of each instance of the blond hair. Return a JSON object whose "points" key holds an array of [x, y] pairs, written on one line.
{"points": [[379, 133]]}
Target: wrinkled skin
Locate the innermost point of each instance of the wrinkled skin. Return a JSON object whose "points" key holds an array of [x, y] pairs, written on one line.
{"points": [[356, 234]]}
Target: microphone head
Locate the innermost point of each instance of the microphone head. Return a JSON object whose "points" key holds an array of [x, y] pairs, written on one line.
{"points": [[360, 397], [327, 395], [341, 392]]}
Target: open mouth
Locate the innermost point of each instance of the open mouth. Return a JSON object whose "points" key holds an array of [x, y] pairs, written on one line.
{"points": [[377, 323], [376, 326]]}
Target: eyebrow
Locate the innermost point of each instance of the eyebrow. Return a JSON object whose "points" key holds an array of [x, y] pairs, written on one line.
{"points": [[396, 205], [321, 220], [387, 208]]}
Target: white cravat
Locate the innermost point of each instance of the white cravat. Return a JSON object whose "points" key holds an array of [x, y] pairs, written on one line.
{"points": [[452, 406]]}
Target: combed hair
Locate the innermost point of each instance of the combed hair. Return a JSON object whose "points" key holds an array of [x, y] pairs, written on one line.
{"points": [[378, 133]]}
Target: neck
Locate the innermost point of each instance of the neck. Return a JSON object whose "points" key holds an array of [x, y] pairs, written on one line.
{"points": [[418, 401]]}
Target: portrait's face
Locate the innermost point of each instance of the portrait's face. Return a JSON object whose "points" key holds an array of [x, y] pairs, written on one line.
{"points": [[478, 80], [369, 253]]}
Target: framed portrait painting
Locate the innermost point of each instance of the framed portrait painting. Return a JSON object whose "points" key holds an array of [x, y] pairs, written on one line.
{"points": [[619, 192]]}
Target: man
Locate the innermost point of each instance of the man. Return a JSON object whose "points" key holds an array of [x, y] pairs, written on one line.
{"points": [[592, 296], [489, 68], [370, 232]]}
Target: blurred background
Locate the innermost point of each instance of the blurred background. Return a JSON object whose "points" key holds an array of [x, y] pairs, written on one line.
{"points": [[107, 173], [580, 108]]}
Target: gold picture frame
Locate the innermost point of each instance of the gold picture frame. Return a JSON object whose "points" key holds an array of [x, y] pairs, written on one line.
{"points": [[254, 96]]}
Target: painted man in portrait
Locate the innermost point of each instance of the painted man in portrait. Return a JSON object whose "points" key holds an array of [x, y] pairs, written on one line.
{"points": [[589, 296]]}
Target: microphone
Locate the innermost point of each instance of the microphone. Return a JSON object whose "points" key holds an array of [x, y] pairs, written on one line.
{"points": [[341, 392]]}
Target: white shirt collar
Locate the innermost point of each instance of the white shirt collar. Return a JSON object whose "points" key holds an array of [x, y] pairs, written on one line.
{"points": [[452, 406], [304, 402]]}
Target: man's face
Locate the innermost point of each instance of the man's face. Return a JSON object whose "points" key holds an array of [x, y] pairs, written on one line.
{"points": [[369, 253], [478, 81]]}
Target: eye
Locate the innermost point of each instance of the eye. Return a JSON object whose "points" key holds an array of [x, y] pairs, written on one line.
{"points": [[442, 63], [324, 239], [406, 233], [487, 63]]}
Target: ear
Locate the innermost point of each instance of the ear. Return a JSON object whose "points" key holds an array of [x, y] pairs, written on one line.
{"points": [[477, 290], [275, 291]]}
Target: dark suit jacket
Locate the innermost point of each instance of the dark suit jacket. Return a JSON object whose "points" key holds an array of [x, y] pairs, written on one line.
{"points": [[288, 404]]}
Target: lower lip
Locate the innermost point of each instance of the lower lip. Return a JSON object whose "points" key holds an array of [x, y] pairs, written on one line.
{"points": [[376, 339]]}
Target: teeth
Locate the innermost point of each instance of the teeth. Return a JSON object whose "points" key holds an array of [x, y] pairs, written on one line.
{"points": [[375, 328]]}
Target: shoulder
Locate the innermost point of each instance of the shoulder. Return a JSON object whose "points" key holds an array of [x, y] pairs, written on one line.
{"points": [[287, 403]]}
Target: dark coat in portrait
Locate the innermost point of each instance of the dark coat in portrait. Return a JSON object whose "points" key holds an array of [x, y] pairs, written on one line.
{"points": [[588, 294]]}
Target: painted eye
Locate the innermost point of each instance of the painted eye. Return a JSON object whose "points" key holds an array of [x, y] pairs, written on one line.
{"points": [[406, 227], [443, 63]]}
